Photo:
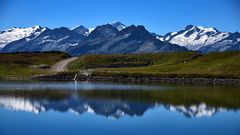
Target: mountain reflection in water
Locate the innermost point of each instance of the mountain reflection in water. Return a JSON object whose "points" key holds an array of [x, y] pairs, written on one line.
{"points": [[118, 103]]}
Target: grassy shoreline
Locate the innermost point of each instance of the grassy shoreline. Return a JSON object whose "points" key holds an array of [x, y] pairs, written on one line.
{"points": [[189, 65]]}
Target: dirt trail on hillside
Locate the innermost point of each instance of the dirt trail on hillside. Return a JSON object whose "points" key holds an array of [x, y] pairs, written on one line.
{"points": [[62, 65]]}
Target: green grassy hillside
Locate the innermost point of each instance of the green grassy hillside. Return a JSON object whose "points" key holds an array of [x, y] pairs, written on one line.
{"points": [[178, 64], [131, 60], [28, 64], [184, 64]]}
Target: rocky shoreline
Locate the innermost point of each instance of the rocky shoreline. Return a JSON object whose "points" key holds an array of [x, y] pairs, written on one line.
{"points": [[172, 80]]}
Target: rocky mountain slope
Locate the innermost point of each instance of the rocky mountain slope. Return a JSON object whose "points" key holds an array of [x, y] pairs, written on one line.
{"points": [[109, 38], [14, 34], [203, 39], [133, 39], [116, 38]]}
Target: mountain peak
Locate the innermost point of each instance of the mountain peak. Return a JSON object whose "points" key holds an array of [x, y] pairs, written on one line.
{"points": [[188, 27], [141, 27], [201, 28], [137, 33], [37, 27], [61, 29], [105, 26], [194, 37], [118, 25], [116, 22], [103, 31], [80, 29]]}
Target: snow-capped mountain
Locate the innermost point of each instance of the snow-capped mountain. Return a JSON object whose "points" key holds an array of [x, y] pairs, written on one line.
{"points": [[45, 39], [80, 29], [116, 38], [86, 31], [14, 34], [230, 43], [118, 25], [202, 39], [107, 39]]}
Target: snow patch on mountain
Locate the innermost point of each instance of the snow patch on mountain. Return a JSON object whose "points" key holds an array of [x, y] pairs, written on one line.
{"points": [[80, 29], [14, 34], [91, 29], [118, 25], [195, 37]]}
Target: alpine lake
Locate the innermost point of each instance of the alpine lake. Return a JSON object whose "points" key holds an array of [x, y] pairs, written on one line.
{"points": [[105, 108]]}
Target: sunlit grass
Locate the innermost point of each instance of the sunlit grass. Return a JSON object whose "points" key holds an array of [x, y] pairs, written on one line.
{"points": [[189, 64], [22, 64]]}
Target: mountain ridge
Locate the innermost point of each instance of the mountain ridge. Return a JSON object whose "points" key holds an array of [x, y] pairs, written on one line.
{"points": [[116, 38], [204, 39]]}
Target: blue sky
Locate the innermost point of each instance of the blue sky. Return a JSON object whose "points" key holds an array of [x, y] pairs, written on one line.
{"points": [[160, 16]]}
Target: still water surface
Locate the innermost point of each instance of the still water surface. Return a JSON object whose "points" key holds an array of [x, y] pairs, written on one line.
{"points": [[32, 107]]}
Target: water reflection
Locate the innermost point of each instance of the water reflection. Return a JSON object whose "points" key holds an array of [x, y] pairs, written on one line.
{"points": [[199, 110], [27, 101], [73, 85], [113, 103]]}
